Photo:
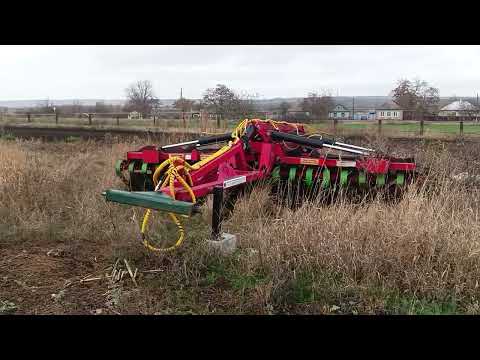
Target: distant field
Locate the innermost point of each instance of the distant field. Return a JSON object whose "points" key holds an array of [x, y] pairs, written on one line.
{"points": [[405, 128], [105, 123], [389, 128]]}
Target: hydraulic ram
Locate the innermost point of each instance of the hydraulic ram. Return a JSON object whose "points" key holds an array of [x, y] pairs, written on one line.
{"points": [[316, 143]]}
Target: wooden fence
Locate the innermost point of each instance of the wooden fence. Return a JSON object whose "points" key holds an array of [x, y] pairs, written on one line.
{"points": [[202, 121], [208, 122], [417, 127]]}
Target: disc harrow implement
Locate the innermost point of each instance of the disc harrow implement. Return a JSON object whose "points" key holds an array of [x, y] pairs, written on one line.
{"points": [[176, 178]]}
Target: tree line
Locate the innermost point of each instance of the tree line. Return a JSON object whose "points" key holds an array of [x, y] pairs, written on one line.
{"points": [[415, 95]]}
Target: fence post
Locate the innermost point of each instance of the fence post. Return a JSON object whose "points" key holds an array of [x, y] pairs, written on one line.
{"points": [[379, 126], [421, 127], [203, 121], [28, 117], [154, 120], [461, 127], [56, 118], [335, 122], [118, 120], [89, 119]]}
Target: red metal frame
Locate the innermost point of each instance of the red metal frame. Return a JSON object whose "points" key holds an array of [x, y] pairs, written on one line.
{"points": [[258, 162]]}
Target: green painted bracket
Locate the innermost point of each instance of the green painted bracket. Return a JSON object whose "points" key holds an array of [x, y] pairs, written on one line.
{"points": [[150, 200]]}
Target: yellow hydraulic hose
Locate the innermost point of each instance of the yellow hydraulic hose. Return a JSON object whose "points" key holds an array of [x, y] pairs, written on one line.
{"points": [[172, 174]]}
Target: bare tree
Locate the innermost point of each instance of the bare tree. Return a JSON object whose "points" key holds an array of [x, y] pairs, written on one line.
{"points": [[467, 109], [45, 106], [140, 97], [246, 106], [416, 96], [318, 104], [283, 107], [183, 104], [221, 100], [101, 107]]}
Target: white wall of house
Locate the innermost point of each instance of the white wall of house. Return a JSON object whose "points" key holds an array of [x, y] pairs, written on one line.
{"points": [[457, 113], [389, 114], [364, 115], [339, 114]]}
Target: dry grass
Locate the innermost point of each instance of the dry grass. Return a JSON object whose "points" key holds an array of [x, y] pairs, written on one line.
{"points": [[420, 255]]}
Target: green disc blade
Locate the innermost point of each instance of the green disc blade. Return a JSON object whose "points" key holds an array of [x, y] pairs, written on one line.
{"points": [[309, 177], [292, 173], [380, 180], [326, 178]]}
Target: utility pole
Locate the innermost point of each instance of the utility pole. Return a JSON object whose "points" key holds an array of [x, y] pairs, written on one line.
{"points": [[353, 108], [476, 116], [181, 104]]}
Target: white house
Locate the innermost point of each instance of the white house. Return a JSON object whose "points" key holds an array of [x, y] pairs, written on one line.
{"points": [[339, 112], [389, 111], [458, 108], [364, 114], [134, 115]]}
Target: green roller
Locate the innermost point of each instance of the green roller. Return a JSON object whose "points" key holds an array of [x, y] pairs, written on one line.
{"points": [[118, 167], [380, 181], [292, 173], [343, 177], [326, 178], [362, 178], [144, 168], [400, 178], [276, 173], [309, 177], [131, 166]]}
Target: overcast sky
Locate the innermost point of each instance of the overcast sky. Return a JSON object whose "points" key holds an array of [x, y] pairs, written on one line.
{"points": [[103, 72]]}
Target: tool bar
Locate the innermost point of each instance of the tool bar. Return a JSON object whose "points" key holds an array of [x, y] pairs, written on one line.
{"points": [[353, 146], [202, 141]]}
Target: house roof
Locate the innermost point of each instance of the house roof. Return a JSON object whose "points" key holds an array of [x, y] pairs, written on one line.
{"points": [[458, 105], [389, 106], [341, 107]]}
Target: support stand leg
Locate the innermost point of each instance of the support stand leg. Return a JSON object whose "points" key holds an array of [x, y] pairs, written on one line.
{"points": [[217, 212], [225, 243]]}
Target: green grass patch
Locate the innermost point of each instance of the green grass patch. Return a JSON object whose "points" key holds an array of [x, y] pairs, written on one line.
{"points": [[72, 139], [409, 305], [447, 128], [234, 277], [7, 136]]}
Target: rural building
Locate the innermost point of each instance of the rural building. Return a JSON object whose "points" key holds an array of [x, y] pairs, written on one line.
{"points": [[459, 108], [339, 112], [389, 111], [364, 114], [134, 115]]}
